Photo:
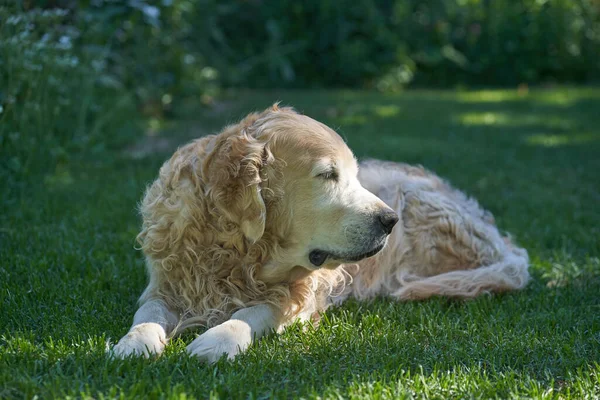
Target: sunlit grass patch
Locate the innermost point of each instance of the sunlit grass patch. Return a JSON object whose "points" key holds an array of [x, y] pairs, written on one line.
{"points": [[353, 119], [549, 140], [516, 119], [488, 96], [484, 118], [387, 111]]}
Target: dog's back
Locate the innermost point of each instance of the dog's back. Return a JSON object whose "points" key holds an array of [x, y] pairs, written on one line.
{"points": [[445, 242]]}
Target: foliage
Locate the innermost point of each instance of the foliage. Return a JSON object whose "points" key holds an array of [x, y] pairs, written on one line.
{"points": [[151, 49], [53, 100], [502, 42], [71, 79], [387, 44], [105, 63]]}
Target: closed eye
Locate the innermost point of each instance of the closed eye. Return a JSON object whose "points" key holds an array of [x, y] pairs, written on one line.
{"points": [[330, 175]]}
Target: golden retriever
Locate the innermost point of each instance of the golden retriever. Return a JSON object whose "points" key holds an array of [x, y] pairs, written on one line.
{"points": [[272, 220]]}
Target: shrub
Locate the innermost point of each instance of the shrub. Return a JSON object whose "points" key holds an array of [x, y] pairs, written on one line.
{"points": [[388, 43], [71, 74], [71, 78], [151, 47], [51, 103], [501, 42]]}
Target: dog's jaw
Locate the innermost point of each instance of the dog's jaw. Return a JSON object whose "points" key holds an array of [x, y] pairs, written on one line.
{"points": [[319, 257], [274, 273]]}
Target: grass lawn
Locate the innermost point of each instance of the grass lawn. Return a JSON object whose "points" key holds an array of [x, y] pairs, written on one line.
{"points": [[70, 278]]}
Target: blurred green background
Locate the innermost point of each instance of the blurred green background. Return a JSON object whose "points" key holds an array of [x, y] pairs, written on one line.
{"points": [[75, 75]]}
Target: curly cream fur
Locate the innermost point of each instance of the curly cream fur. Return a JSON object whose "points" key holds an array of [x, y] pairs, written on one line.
{"points": [[199, 259], [229, 223], [445, 243]]}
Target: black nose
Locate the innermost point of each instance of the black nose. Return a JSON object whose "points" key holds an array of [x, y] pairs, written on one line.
{"points": [[387, 220]]}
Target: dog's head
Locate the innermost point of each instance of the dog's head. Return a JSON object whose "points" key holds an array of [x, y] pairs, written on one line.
{"points": [[284, 175]]}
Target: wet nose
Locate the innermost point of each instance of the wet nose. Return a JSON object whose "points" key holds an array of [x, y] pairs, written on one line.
{"points": [[388, 220]]}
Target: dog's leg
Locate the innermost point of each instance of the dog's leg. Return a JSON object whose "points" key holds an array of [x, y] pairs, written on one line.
{"points": [[235, 335], [152, 323]]}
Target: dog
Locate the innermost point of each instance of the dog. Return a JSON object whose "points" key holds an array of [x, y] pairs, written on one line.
{"points": [[272, 221]]}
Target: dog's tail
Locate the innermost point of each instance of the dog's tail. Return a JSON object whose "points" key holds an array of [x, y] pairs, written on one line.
{"points": [[511, 273]]}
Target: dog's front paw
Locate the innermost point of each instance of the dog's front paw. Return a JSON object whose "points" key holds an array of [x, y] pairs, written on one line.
{"points": [[230, 338], [144, 339]]}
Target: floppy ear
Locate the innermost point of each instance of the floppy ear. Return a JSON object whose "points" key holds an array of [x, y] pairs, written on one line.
{"points": [[235, 183]]}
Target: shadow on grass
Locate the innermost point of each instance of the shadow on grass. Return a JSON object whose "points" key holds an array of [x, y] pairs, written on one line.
{"points": [[418, 115], [538, 335], [542, 338], [444, 131]]}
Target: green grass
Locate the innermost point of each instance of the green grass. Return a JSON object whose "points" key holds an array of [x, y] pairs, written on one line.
{"points": [[69, 276]]}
